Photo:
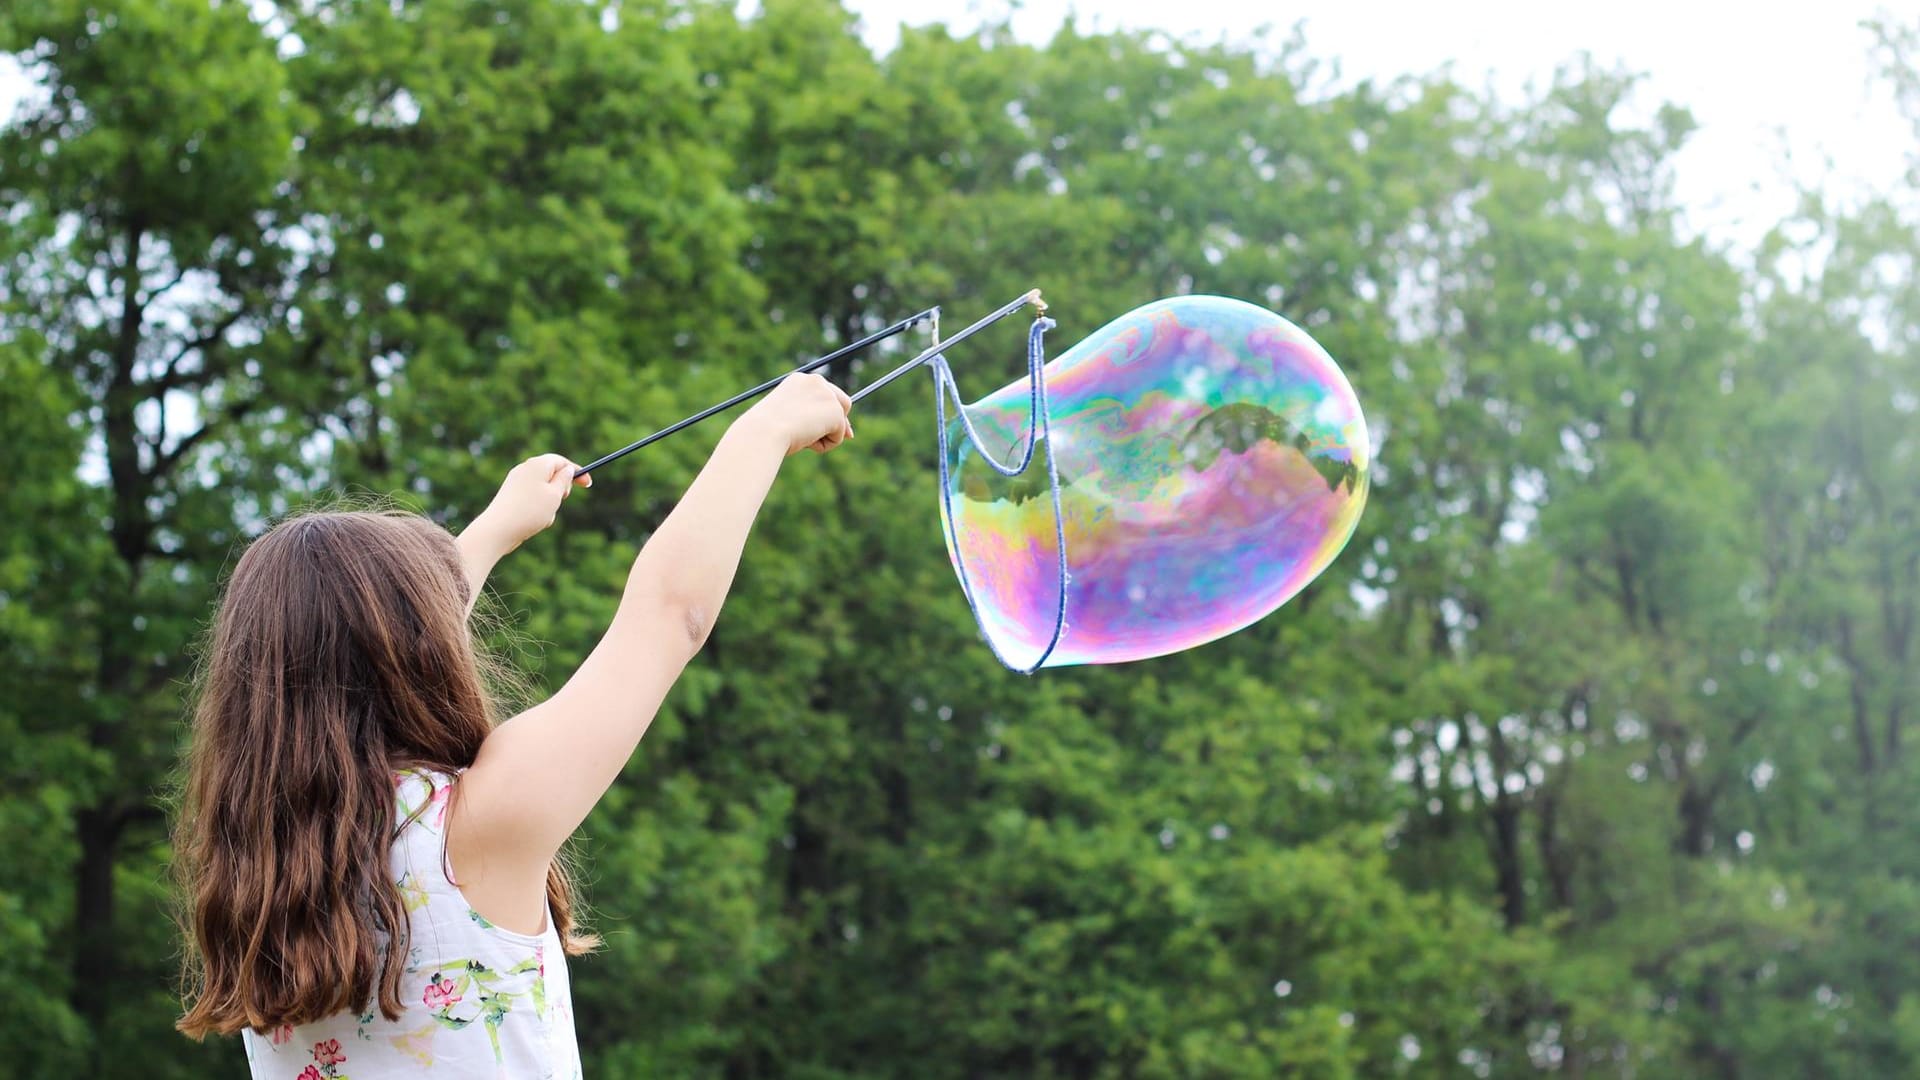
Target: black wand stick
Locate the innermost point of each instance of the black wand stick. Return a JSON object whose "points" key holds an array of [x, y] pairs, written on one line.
{"points": [[746, 395], [933, 314]]}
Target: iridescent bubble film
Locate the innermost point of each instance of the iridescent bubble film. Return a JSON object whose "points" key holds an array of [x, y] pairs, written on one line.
{"points": [[1212, 460]]}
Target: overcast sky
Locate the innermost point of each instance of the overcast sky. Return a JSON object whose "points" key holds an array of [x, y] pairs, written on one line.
{"points": [[1759, 86]]}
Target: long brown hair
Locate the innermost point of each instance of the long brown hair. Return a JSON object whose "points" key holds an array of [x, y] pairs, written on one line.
{"points": [[339, 656]]}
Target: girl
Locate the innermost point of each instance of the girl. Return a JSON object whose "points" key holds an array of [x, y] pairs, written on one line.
{"points": [[369, 862]]}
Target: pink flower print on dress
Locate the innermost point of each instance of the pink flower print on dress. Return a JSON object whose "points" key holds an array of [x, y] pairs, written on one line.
{"points": [[328, 1052], [282, 1035], [309, 1073], [440, 799], [441, 994]]}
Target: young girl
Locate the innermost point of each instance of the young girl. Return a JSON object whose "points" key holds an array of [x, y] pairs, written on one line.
{"points": [[370, 862]]}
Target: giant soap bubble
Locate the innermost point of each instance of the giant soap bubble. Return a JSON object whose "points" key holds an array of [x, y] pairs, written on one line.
{"points": [[1211, 460]]}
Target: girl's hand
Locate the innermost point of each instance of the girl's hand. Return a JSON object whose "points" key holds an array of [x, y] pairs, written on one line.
{"points": [[805, 412], [528, 500]]}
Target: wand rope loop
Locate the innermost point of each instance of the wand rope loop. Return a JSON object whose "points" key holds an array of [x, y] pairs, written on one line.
{"points": [[1031, 296], [1038, 432]]}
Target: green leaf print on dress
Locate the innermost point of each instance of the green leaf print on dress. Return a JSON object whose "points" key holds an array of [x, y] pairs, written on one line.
{"points": [[463, 992], [413, 894]]}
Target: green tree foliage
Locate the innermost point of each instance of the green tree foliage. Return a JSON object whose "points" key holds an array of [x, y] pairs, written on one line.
{"points": [[1589, 756]]}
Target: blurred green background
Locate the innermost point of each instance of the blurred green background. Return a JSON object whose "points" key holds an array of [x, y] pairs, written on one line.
{"points": [[1589, 756]]}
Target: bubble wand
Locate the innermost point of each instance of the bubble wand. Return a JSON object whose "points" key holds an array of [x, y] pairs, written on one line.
{"points": [[1200, 460], [932, 315]]}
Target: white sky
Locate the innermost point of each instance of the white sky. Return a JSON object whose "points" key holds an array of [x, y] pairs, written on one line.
{"points": [[1777, 97]]}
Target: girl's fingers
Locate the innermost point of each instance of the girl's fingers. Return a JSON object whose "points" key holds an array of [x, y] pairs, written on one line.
{"points": [[558, 472], [828, 442], [560, 469]]}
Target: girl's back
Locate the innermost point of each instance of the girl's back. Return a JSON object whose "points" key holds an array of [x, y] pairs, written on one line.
{"points": [[481, 1000], [345, 763]]}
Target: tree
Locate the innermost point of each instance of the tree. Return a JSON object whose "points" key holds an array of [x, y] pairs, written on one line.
{"points": [[143, 257]]}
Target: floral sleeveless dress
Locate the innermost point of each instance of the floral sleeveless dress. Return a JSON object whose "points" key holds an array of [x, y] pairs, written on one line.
{"points": [[482, 1001]]}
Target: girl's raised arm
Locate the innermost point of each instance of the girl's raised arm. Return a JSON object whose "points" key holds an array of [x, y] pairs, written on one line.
{"points": [[538, 774]]}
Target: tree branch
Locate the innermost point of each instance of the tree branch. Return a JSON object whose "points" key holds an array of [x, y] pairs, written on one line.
{"points": [[154, 294], [166, 462], [172, 378]]}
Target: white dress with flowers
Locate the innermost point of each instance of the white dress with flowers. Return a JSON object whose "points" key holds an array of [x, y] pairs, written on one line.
{"points": [[481, 1001]]}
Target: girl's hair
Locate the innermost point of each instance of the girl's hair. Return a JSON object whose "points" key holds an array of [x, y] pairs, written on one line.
{"points": [[339, 657]]}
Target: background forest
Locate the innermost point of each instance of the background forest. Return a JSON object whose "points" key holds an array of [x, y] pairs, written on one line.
{"points": [[1591, 755]]}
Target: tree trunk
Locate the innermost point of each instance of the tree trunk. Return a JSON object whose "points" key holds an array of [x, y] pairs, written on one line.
{"points": [[95, 974], [1506, 840], [1857, 697], [1696, 819], [97, 827], [1554, 857]]}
